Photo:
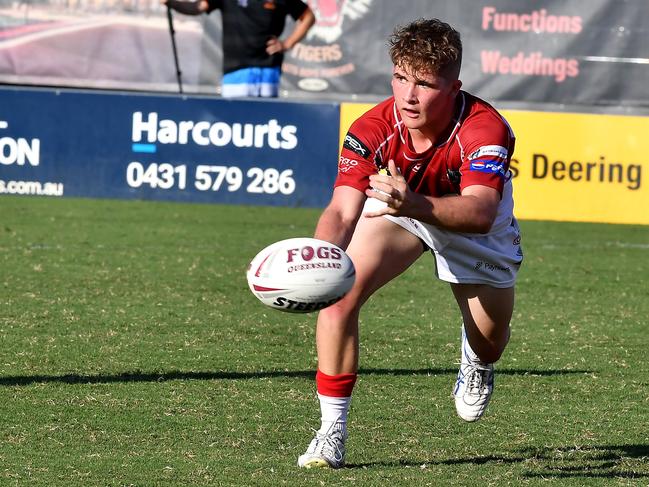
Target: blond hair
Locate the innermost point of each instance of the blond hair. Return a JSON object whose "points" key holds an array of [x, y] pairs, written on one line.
{"points": [[427, 46]]}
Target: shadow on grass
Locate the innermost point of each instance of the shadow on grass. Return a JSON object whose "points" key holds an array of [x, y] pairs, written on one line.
{"points": [[599, 461], [141, 376]]}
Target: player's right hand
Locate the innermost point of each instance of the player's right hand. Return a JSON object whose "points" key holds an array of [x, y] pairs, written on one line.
{"points": [[392, 189]]}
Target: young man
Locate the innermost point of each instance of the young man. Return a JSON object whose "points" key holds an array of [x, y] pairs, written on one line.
{"points": [[426, 169], [252, 50]]}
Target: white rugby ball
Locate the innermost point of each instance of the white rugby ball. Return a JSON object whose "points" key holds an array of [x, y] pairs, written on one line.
{"points": [[300, 275]]}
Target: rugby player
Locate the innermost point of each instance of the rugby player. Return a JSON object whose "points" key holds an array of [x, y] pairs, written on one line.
{"points": [[426, 170]]}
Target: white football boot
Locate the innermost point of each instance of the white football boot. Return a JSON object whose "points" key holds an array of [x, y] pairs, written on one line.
{"points": [[326, 449], [474, 385]]}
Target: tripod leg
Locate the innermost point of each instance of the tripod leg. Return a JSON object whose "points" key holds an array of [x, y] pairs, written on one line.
{"points": [[172, 32]]}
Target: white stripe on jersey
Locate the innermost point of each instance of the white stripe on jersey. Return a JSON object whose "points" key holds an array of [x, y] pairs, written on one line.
{"points": [[498, 151]]}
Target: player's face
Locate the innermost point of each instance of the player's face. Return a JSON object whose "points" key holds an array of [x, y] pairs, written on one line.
{"points": [[425, 101]]}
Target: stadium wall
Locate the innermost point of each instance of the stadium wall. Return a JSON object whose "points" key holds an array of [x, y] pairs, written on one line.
{"points": [[567, 166]]}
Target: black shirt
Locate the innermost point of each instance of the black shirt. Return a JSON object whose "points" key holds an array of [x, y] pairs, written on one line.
{"points": [[247, 26]]}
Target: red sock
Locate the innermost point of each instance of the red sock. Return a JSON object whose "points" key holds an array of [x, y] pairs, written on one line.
{"points": [[340, 385]]}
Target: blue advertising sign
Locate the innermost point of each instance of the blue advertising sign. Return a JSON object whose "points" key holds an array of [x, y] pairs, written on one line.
{"points": [[189, 148]]}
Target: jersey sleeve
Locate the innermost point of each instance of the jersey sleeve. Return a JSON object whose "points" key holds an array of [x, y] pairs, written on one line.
{"points": [[488, 149], [357, 157]]}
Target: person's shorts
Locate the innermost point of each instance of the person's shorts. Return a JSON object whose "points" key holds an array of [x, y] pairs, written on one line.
{"points": [[492, 259], [259, 82]]}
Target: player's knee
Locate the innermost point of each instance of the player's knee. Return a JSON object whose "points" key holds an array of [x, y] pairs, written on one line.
{"points": [[338, 313], [490, 354], [490, 350]]}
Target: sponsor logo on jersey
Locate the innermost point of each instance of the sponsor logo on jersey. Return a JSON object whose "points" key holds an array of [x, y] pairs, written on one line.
{"points": [[345, 164], [355, 145], [488, 167], [489, 159], [490, 151]]}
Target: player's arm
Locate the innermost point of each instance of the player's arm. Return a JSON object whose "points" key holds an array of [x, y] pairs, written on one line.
{"points": [[302, 26], [473, 211], [355, 166], [188, 8], [338, 220]]}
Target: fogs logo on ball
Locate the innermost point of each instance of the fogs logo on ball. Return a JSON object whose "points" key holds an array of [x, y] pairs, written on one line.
{"points": [[307, 253], [316, 63], [309, 258]]}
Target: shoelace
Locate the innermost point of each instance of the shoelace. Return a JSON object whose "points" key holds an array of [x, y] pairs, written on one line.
{"points": [[324, 440], [477, 378]]}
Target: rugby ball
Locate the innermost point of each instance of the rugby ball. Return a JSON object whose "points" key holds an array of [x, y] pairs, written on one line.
{"points": [[300, 275]]}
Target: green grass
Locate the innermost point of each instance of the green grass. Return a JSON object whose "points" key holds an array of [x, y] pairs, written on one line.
{"points": [[134, 354]]}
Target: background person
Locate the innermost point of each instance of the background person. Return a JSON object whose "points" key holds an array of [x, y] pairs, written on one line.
{"points": [[427, 169], [252, 49]]}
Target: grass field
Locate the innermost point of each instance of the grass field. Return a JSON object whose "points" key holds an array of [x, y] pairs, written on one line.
{"points": [[134, 354]]}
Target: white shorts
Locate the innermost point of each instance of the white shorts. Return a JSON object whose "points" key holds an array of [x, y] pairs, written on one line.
{"points": [[463, 258]]}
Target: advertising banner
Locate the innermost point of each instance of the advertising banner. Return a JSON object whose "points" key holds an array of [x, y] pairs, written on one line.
{"points": [[590, 52], [167, 148], [572, 167], [580, 167], [571, 52]]}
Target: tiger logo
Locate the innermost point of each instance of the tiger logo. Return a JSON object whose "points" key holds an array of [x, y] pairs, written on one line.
{"points": [[330, 15]]}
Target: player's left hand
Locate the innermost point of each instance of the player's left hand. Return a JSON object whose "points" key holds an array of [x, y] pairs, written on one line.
{"points": [[393, 189], [274, 46]]}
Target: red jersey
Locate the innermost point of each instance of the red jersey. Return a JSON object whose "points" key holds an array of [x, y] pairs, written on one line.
{"points": [[477, 151]]}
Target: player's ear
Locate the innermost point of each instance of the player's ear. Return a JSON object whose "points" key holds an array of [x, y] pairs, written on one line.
{"points": [[457, 84]]}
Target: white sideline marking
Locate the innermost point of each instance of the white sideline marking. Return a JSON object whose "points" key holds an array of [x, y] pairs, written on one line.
{"points": [[622, 245]]}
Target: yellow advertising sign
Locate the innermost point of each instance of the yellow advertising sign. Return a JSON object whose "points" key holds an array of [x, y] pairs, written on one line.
{"points": [[348, 113], [573, 167], [580, 167]]}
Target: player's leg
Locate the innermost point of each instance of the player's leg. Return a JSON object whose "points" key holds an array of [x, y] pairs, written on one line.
{"points": [[486, 312], [380, 250]]}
